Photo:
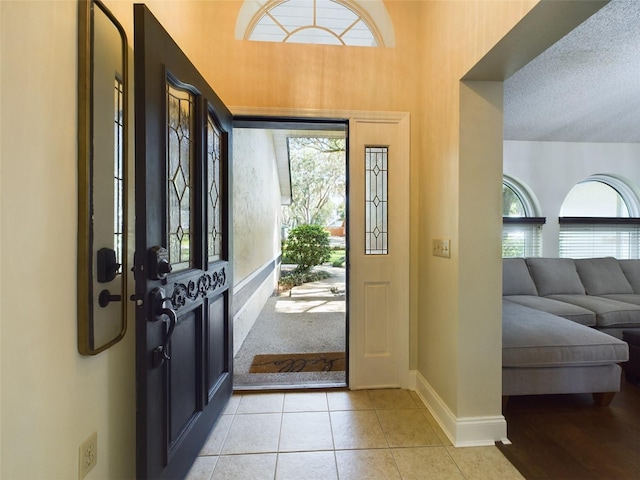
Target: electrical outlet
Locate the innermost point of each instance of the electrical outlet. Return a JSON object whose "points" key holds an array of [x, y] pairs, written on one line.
{"points": [[87, 455], [441, 248]]}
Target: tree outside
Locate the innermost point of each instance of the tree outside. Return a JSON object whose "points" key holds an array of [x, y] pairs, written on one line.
{"points": [[318, 171], [318, 176]]}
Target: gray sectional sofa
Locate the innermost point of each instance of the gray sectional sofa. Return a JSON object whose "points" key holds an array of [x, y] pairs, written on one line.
{"points": [[562, 324]]}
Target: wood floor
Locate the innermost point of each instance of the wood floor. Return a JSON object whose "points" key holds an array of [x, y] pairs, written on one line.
{"points": [[567, 437]]}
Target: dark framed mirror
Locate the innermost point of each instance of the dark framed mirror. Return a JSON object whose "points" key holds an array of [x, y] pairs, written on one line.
{"points": [[102, 167]]}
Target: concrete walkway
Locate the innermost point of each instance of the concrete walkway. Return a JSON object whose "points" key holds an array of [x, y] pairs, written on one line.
{"points": [[308, 318]]}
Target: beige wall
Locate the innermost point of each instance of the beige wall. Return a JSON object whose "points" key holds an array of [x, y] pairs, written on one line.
{"points": [[52, 398], [451, 337]]}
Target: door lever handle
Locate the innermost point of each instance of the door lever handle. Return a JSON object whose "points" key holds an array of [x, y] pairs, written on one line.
{"points": [[173, 320], [160, 353]]}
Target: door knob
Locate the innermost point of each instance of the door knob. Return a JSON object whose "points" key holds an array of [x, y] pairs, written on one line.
{"points": [[106, 297]]}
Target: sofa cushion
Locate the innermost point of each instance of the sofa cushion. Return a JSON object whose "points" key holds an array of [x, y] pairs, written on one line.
{"points": [[516, 279], [608, 312], [555, 307], [631, 269], [555, 276], [601, 276], [531, 338], [633, 298]]}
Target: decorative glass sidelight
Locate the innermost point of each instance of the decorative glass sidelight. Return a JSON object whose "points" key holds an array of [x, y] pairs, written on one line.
{"points": [[180, 155], [118, 169], [376, 200], [214, 191]]}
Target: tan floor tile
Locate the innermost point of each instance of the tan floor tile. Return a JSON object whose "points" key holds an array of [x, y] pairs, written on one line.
{"points": [[244, 467], [305, 431], [261, 403], [418, 463], [305, 402], [253, 433], [483, 463], [339, 434], [390, 399], [213, 444], [307, 466], [357, 429], [416, 398], [202, 468], [349, 400], [366, 465], [444, 440], [407, 428], [232, 405]]}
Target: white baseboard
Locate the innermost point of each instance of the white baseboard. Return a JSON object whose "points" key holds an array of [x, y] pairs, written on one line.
{"points": [[464, 431]]}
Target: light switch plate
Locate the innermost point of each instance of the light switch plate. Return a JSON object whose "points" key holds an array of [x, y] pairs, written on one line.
{"points": [[442, 247]]}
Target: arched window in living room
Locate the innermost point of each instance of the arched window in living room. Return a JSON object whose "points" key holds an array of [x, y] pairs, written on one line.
{"points": [[521, 223], [330, 22], [600, 217]]}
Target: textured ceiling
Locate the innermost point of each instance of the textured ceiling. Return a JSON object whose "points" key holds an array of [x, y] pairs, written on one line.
{"points": [[584, 88]]}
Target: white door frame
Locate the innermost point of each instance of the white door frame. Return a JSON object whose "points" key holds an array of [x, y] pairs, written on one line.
{"points": [[361, 362]]}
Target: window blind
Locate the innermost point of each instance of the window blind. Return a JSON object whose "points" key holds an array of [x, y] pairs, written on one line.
{"points": [[522, 236], [593, 237]]}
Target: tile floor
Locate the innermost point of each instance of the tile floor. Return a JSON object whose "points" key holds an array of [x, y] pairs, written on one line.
{"points": [[373, 434]]}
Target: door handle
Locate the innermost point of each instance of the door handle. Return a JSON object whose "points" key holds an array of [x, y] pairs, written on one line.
{"points": [[107, 297], [160, 353]]}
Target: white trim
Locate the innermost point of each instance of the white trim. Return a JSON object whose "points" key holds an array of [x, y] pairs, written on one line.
{"points": [[360, 115], [525, 194], [464, 431], [625, 188], [378, 13]]}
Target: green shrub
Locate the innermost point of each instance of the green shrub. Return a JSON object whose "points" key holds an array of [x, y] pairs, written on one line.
{"points": [[294, 278], [338, 257], [307, 246], [338, 263]]}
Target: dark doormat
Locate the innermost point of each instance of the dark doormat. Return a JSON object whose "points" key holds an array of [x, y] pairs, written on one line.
{"points": [[299, 362]]}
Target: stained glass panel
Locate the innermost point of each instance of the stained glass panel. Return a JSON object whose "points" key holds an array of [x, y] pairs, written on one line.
{"points": [[376, 200], [214, 192], [180, 154], [118, 173]]}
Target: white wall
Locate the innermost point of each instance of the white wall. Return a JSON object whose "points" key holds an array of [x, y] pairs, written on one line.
{"points": [[551, 169], [256, 202]]}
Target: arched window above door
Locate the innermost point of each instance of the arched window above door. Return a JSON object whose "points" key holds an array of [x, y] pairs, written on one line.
{"points": [[330, 22]]}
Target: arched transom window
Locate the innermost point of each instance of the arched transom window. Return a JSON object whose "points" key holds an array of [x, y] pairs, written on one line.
{"points": [[521, 225], [600, 217], [329, 22]]}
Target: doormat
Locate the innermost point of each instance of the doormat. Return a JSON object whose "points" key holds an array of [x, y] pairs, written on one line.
{"points": [[298, 362]]}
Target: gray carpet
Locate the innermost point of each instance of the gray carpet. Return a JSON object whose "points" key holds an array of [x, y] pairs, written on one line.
{"points": [[309, 318]]}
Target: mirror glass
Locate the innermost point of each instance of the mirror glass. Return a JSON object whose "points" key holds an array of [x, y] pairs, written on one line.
{"points": [[102, 165]]}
